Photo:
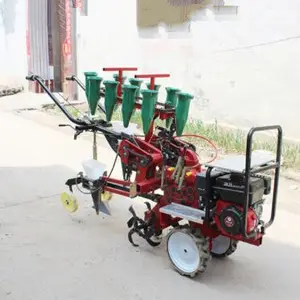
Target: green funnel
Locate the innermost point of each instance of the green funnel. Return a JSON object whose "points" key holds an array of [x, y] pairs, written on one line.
{"points": [[148, 108], [94, 93], [110, 99], [171, 101], [116, 77], [128, 102], [182, 111], [156, 86], [87, 76], [137, 82]]}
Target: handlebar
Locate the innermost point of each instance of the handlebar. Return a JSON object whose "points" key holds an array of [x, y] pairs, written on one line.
{"points": [[81, 85], [40, 80], [248, 173], [31, 77], [81, 125], [70, 78]]}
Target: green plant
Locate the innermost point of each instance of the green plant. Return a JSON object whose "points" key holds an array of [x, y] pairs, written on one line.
{"points": [[228, 140]]}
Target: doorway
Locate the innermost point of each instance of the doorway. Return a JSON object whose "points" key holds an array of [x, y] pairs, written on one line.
{"points": [[51, 29]]}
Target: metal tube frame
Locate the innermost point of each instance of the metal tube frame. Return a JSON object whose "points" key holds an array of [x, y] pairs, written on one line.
{"points": [[249, 172]]}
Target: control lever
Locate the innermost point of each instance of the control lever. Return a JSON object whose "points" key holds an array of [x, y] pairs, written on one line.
{"points": [[66, 125], [77, 130], [77, 133]]}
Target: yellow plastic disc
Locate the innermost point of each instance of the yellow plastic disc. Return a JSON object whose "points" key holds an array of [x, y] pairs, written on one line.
{"points": [[69, 202], [106, 196]]}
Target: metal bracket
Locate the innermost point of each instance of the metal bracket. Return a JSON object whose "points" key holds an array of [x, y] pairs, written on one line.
{"points": [[133, 190]]}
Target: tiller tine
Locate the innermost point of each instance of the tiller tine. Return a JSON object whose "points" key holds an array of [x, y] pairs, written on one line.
{"points": [[142, 228]]}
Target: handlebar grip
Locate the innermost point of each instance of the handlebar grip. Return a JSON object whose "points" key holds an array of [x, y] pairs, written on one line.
{"points": [[31, 77], [63, 125], [70, 78]]}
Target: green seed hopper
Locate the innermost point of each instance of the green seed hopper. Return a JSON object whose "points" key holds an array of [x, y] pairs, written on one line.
{"points": [[133, 96]]}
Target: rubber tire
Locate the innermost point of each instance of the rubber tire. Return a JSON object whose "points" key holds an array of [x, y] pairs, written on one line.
{"points": [[202, 244], [231, 249]]}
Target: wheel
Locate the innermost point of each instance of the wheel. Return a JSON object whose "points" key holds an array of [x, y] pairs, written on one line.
{"points": [[69, 202], [187, 251], [223, 246]]}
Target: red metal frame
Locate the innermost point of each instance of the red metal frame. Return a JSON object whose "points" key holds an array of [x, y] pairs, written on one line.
{"points": [[120, 70], [146, 157], [148, 180], [152, 77]]}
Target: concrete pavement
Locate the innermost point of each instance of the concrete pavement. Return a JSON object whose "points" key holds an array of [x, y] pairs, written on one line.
{"points": [[47, 254]]}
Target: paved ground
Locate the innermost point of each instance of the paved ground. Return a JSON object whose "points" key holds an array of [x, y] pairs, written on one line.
{"points": [[47, 254]]}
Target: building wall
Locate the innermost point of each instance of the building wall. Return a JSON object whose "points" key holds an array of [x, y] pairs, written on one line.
{"points": [[242, 70], [13, 57]]}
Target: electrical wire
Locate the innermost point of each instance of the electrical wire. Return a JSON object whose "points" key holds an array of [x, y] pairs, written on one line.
{"points": [[80, 175], [114, 165], [216, 154]]}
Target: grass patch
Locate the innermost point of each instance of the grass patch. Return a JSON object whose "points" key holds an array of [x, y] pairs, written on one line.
{"points": [[228, 140]]}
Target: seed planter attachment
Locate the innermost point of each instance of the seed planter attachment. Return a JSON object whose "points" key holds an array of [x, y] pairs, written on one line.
{"points": [[221, 201]]}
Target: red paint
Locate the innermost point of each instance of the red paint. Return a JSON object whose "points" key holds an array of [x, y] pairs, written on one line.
{"points": [[147, 160], [67, 46], [251, 221], [78, 4], [120, 70], [152, 86], [152, 75]]}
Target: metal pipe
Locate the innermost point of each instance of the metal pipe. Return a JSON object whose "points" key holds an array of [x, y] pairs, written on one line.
{"points": [[248, 173], [95, 156]]}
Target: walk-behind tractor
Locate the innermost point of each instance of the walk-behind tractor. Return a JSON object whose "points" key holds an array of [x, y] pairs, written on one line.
{"points": [[208, 208]]}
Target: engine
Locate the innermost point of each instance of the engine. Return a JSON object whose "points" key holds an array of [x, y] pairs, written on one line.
{"points": [[227, 200]]}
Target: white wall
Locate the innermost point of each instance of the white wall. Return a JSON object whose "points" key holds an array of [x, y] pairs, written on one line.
{"points": [[243, 72], [13, 58]]}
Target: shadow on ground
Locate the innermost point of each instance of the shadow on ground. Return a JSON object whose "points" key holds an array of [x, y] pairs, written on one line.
{"points": [[84, 254]]}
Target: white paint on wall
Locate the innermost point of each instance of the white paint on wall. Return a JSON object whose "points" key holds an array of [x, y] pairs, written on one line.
{"points": [[242, 71], [13, 57]]}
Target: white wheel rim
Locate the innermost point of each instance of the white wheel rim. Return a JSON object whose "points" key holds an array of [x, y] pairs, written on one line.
{"points": [[183, 252], [220, 244]]}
